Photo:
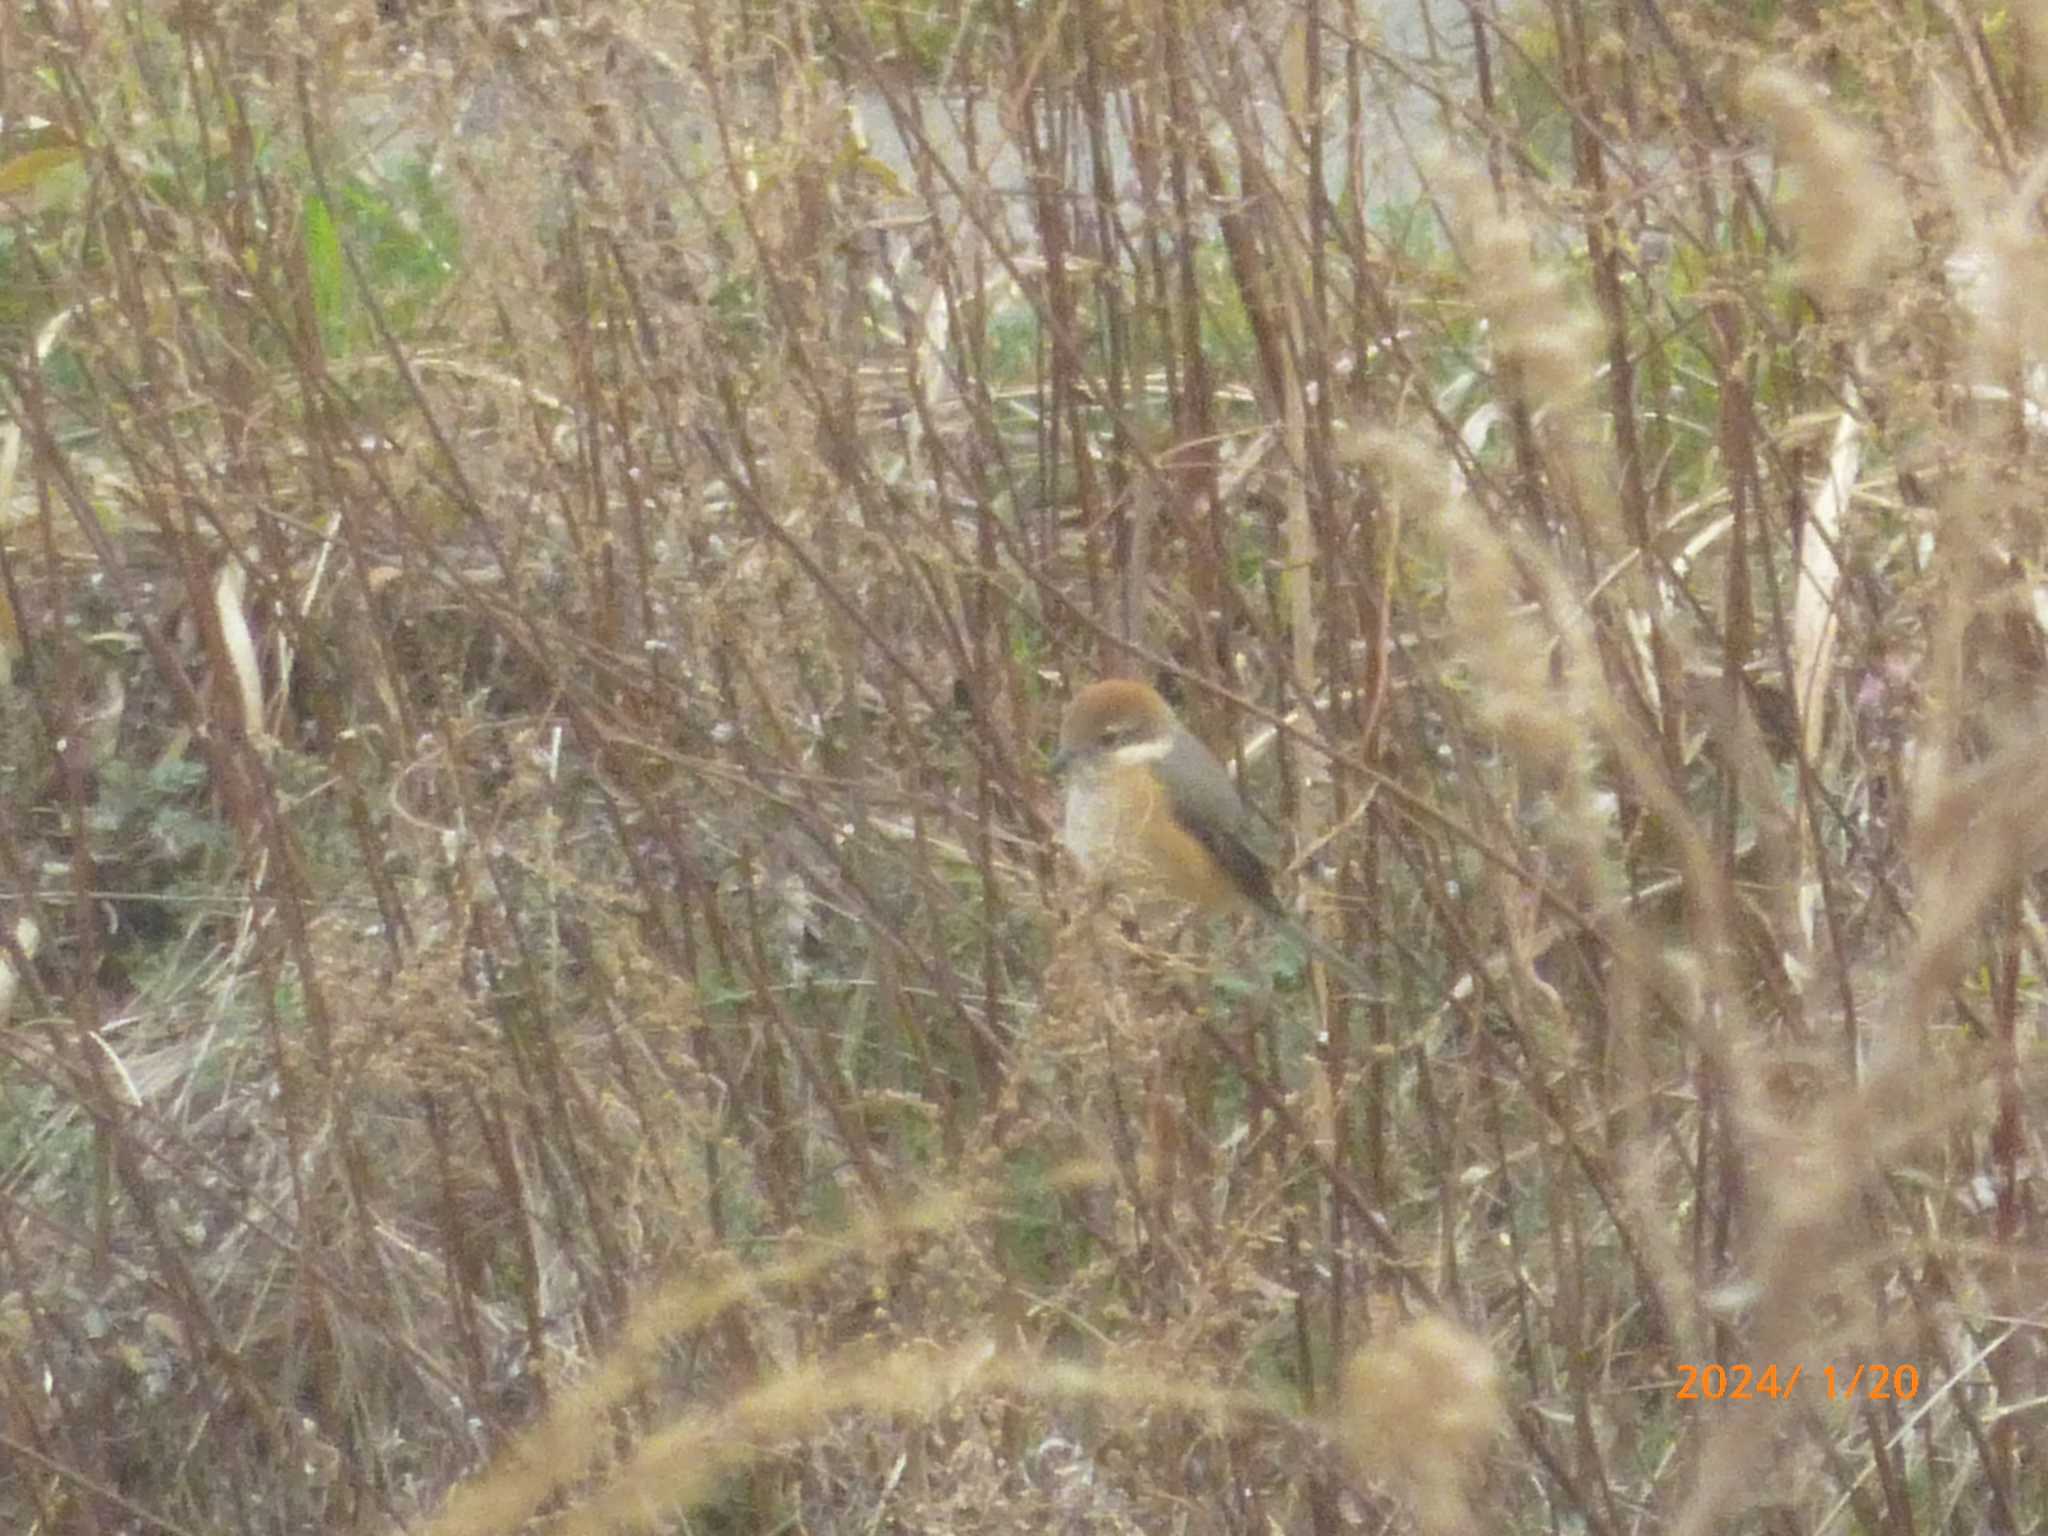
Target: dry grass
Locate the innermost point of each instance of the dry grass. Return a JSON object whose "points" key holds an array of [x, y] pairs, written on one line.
{"points": [[537, 571]]}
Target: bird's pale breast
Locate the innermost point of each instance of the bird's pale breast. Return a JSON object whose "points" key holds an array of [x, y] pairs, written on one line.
{"points": [[1119, 826]]}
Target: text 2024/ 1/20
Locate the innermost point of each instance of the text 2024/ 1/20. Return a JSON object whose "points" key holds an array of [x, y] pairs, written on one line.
{"points": [[1741, 1383], [1718, 1383]]}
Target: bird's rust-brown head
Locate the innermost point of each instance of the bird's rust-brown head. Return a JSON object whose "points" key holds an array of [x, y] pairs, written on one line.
{"points": [[1107, 719]]}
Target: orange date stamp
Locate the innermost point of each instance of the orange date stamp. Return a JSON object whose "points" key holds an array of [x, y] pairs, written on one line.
{"points": [[1869, 1382]]}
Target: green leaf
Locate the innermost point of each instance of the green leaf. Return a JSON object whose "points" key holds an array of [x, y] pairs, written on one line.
{"points": [[25, 170], [324, 268]]}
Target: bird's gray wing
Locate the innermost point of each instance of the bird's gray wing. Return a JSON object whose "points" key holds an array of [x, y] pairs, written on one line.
{"points": [[1206, 805]]}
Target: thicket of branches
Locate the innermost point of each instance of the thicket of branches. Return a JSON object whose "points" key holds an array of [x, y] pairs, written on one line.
{"points": [[541, 550]]}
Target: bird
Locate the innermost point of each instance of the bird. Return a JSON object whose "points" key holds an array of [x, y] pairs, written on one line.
{"points": [[1147, 806]]}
